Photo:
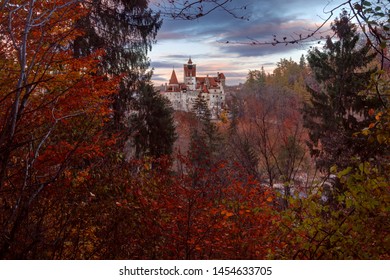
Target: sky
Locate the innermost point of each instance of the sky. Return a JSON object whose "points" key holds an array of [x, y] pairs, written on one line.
{"points": [[204, 40]]}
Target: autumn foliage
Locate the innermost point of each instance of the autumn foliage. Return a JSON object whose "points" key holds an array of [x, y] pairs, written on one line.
{"points": [[53, 108], [158, 214], [243, 188]]}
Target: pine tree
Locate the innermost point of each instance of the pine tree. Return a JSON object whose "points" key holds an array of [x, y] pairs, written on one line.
{"points": [[126, 31], [302, 62], [205, 139], [153, 124], [338, 108]]}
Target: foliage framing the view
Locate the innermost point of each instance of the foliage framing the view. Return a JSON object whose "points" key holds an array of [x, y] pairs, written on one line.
{"points": [[244, 189]]}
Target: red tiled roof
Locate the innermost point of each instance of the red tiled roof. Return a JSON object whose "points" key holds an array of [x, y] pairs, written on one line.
{"points": [[212, 82], [173, 80], [205, 90], [200, 79]]}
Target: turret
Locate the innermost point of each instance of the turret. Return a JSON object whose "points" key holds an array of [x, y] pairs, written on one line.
{"points": [[173, 80], [190, 74]]}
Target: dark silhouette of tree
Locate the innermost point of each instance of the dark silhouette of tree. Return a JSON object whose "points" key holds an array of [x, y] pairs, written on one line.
{"points": [[338, 108], [152, 124], [126, 31], [205, 139]]}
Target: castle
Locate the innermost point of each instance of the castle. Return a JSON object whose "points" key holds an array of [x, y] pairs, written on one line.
{"points": [[183, 95]]}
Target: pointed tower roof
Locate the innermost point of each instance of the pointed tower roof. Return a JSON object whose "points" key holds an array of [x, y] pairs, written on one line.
{"points": [[189, 61], [173, 80]]}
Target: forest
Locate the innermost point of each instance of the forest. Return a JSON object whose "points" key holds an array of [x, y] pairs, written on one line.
{"points": [[95, 164]]}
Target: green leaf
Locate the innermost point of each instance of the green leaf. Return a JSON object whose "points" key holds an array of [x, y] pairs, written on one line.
{"points": [[344, 172], [333, 169], [367, 3], [380, 14]]}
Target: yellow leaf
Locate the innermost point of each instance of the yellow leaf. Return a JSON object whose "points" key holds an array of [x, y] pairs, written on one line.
{"points": [[378, 116], [380, 138]]}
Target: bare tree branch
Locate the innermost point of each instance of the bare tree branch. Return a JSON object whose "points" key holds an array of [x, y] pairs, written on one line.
{"points": [[191, 10]]}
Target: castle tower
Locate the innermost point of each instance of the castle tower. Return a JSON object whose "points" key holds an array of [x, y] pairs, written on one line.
{"points": [[190, 75], [173, 80], [222, 79]]}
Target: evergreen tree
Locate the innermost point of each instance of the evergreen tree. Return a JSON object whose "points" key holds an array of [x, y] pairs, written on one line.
{"points": [[338, 108], [153, 124], [126, 31], [302, 62], [205, 139]]}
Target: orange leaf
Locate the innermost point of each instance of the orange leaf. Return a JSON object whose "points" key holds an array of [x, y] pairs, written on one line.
{"points": [[229, 214]]}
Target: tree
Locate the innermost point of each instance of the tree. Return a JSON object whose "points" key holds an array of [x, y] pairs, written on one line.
{"points": [[354, 224], [228, 215], [255, 81], [338, 108], [266, 135], [302, 62], [52, 110], [287, 72], [152, 124], [205, 142], [290, 75], [357, 228], [126, 31]]}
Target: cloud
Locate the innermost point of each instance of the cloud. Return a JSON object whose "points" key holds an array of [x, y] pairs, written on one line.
{"points": [[161, 79], [166, 64], [247, 50], [205, 39], [217, 29]]}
